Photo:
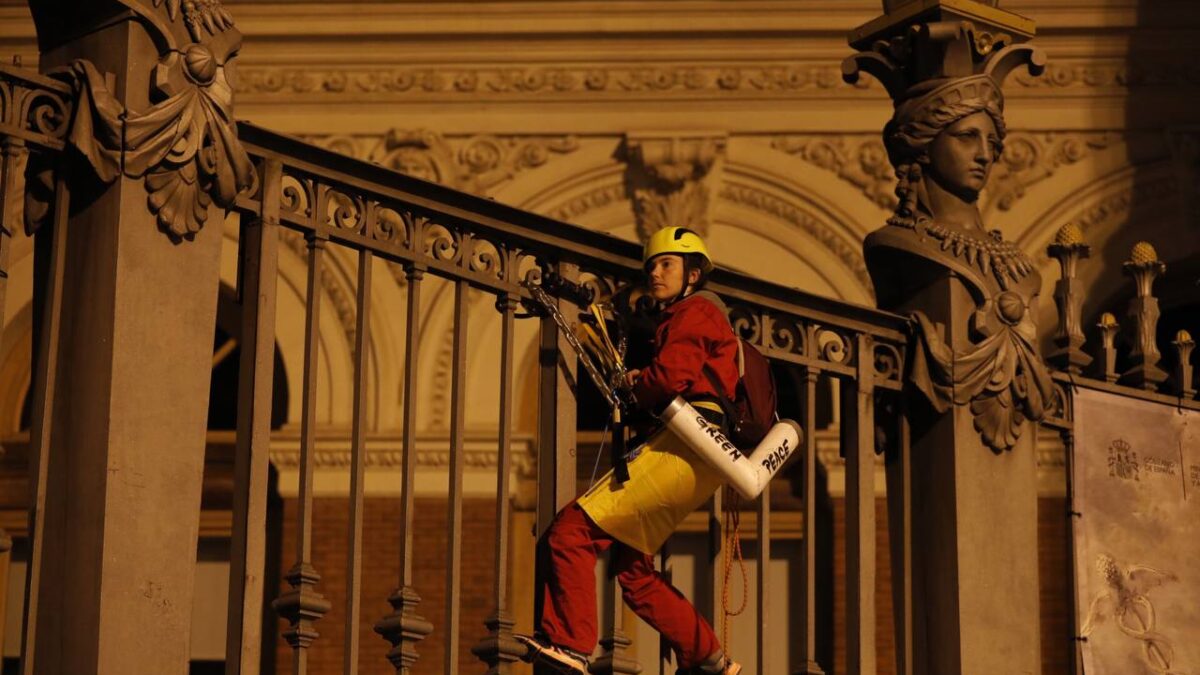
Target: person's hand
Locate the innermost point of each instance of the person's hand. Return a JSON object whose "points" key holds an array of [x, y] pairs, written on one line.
{"points": [[632, 376]]}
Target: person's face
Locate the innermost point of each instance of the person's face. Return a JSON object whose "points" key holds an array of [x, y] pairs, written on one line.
{"points": [[961, 156], [665, 273]]}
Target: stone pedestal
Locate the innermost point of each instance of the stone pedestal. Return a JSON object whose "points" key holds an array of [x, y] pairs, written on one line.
{"points": [[974, 524], [130, 411]]}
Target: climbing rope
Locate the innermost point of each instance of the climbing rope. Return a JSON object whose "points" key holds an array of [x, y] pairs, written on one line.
{"points": [[732, 548]]}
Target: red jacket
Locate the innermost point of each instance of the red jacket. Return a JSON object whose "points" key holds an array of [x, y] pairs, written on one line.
{"points": [[692, 332]]}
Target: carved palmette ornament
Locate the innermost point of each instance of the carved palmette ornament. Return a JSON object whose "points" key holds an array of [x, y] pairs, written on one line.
{"points": [[185, 145]]}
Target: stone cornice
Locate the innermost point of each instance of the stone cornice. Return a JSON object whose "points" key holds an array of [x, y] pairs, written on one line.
{"points": [[708, 80], [559, 17], [520, 82], [386, 451], [604, 20]]}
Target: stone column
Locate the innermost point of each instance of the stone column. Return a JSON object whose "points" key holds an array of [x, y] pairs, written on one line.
{"points": [[973, 299], [126, 452]]}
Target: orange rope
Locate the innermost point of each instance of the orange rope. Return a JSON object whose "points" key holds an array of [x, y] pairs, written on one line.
{"points": [[732, 541]]}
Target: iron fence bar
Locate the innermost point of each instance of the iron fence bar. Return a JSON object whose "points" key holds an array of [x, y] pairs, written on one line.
{"points": [[44, 376], [12, 189], [839, 369], [404, 628], [256, 373], [458, 397], [6, 544], [858, 433], [763, 582], [614, 660], [716, 547], [557, 372], [899, 488], [12, 192], [499, 649], [36, 107], [303, 576], [665, 568], [412, 345], [1075, 653], [808, 587], [358, 462]]}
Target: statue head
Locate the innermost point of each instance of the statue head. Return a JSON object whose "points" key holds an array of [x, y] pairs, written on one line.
{"points": [[950, 131]]}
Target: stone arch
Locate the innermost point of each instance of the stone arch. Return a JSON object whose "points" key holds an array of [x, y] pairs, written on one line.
{"points": [[765, 197], [482, 360], [335, 354]]}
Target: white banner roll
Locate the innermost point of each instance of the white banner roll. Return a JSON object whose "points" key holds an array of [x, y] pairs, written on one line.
{"points": [[748, 475]]}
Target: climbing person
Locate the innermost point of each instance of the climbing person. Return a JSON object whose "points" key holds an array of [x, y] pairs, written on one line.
{"points": [[667, 481]]}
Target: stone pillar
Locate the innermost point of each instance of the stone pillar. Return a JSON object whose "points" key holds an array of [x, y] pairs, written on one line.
{"points": [[974, 526], [975, 378], [126, 453]]}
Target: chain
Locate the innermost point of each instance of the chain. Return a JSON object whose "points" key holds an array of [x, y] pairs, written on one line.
{"points": [[585, 359]]}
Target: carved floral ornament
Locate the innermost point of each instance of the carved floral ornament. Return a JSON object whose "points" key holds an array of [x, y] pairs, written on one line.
{"points": [[475, 164], [1029, 159], [185, 145], [671, 177], [507, 82]]}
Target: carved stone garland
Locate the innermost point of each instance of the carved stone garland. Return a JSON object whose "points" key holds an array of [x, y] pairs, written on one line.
{"points": [[185, 146]]}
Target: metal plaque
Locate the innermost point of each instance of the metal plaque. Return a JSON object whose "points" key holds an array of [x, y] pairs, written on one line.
{"points": [[1136, 473]]}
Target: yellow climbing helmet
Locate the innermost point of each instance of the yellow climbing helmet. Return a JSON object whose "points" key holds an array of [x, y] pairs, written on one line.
{"points": [[677, 240]]}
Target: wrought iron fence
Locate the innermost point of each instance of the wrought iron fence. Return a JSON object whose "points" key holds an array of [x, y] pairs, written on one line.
{"points": [[34, 110], [472, 242]]}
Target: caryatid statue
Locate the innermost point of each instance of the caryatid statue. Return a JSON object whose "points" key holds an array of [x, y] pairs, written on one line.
{"points": [[943, 142], [973, 478], [943, 139]]}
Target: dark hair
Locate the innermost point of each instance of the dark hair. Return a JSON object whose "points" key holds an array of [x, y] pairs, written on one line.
{"points": [[694, 261]]}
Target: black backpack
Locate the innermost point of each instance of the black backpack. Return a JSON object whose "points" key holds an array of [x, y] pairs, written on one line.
{"points": [[750, 412]]}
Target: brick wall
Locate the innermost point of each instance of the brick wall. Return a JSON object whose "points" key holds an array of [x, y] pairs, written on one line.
{"points": [[381, 565]]}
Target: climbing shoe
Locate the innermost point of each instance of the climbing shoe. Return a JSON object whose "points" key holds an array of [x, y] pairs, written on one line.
{"points": [[561, 659]]}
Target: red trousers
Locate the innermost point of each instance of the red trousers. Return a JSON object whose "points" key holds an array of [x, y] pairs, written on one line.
{"points": [[568, 594]]}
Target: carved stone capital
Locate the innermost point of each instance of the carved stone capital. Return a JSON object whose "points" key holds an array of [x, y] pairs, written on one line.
{"points": [[916, 43], [672, 179]]}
